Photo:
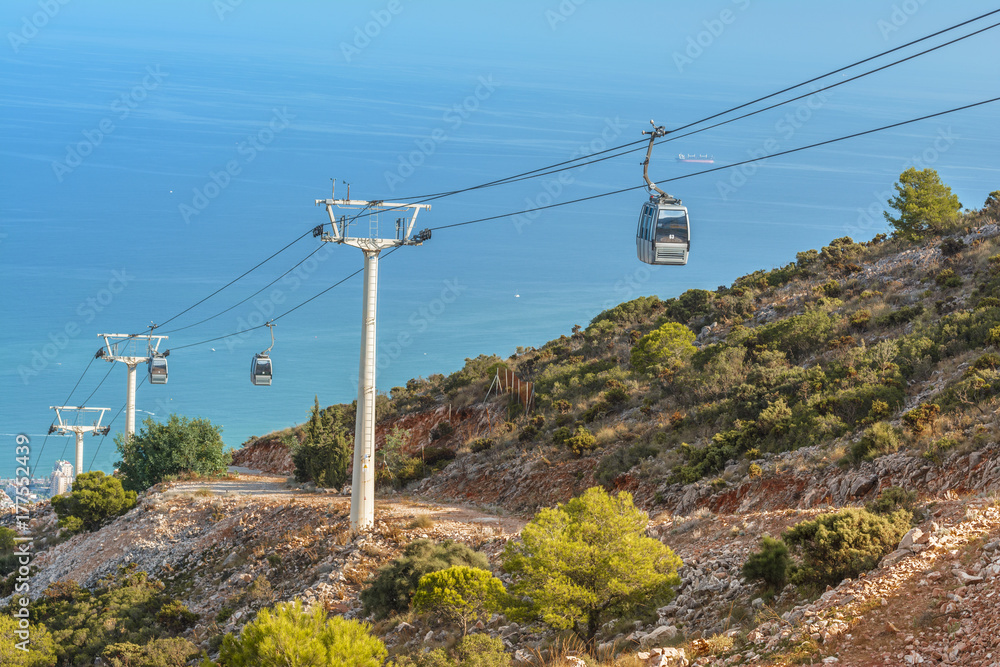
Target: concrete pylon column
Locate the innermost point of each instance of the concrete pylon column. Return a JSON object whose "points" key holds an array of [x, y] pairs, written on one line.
{"points": [[79, 453], [363, 477], [130, 403]]}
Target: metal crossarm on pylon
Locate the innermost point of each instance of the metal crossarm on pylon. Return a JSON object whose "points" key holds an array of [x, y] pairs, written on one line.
{"points": [[64, 427], [363, 475], [131, 350]]}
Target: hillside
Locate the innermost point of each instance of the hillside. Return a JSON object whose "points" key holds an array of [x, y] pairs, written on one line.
{"points": [[729, 415]]}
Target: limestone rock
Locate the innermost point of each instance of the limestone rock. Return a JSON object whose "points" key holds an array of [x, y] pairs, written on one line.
{"points": [[659, 634]]}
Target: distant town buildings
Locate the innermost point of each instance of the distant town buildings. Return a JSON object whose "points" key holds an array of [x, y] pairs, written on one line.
{"points": [[6, 503], [62, 478]]}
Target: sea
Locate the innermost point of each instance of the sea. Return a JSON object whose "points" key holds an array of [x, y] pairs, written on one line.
{"points": [[160, 166]]}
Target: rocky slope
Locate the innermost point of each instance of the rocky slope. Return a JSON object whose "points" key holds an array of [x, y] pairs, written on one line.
{"points": [[228, 548]]}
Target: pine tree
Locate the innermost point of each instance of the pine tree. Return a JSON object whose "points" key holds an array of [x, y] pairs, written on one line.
{"points": [[325, 454], [925, 205], [589, 560]]}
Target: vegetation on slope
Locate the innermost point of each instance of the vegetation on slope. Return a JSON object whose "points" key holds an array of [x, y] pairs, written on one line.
{"points": [[826, 350]]}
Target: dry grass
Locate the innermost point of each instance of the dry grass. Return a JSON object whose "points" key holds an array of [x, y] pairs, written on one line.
{"points": [[611, 434], [361, 573], [421, 522]]}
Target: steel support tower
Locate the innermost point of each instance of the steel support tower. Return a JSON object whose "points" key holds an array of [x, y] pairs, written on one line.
{"points": [[65, 428], [126, 348], [363, 475]]}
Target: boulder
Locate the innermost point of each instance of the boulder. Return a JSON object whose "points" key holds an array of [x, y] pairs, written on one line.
{"points": [[912, 537], [658, 635], [668, 657]]}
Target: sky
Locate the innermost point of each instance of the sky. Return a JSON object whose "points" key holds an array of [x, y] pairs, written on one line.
{"points": [[153, 152]]}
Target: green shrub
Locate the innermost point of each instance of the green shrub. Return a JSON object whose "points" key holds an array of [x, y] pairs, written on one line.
{"points": [[805, 258], [841, 253], [438, 454], [178, 446], [561, 435], [892, 499], [288, 635], [8, 539], [461, 594], [95, 499], [434, 658], [989, 361], [42, 650], [922, 417], [483, 367], [616, 394], [392, 587], [879, 410], [176, 617], [878, 440], [481, 650], [947, 279], [831, 289], [952, 246], [562, 406], [155, 653], [859, 319], [938, 448], [622, 460], [770, 564], [582, 441], [993, 338], [598, 410], [900, 316], [796, 335], [630, 312], [442, 430], [843, 544], [755, 471], [126, 609], [666, 347], [481, 444]]}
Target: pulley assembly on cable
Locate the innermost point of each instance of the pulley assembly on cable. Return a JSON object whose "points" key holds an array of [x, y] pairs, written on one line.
{"points": [[664, 232]]}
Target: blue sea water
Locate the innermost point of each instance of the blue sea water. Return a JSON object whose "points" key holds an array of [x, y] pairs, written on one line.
{"points": [[152, 153]]}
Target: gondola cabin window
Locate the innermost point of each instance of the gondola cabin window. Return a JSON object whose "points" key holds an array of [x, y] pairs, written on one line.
{"points": [[672, 225]]}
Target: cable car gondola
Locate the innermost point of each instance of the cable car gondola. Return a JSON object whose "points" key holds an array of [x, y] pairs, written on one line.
{"points": [[157, 367], [260, 366], [663, 235]]}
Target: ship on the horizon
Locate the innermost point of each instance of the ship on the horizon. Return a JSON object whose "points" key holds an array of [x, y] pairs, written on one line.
{"points": [[702, 159]]}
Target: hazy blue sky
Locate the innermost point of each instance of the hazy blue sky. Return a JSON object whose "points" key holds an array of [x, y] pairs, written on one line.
{"points": [[153, 151]]}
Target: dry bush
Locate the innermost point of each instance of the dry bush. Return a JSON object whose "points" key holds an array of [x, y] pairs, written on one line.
{"points": [[421, 522], [361, 573]]}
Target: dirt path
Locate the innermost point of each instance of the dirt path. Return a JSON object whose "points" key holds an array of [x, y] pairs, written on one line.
{"points": [[264, 486]]}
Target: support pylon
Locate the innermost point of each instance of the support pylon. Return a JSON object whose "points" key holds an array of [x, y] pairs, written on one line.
{"points": [[65, 428], [131, 350], [363, 474]]}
